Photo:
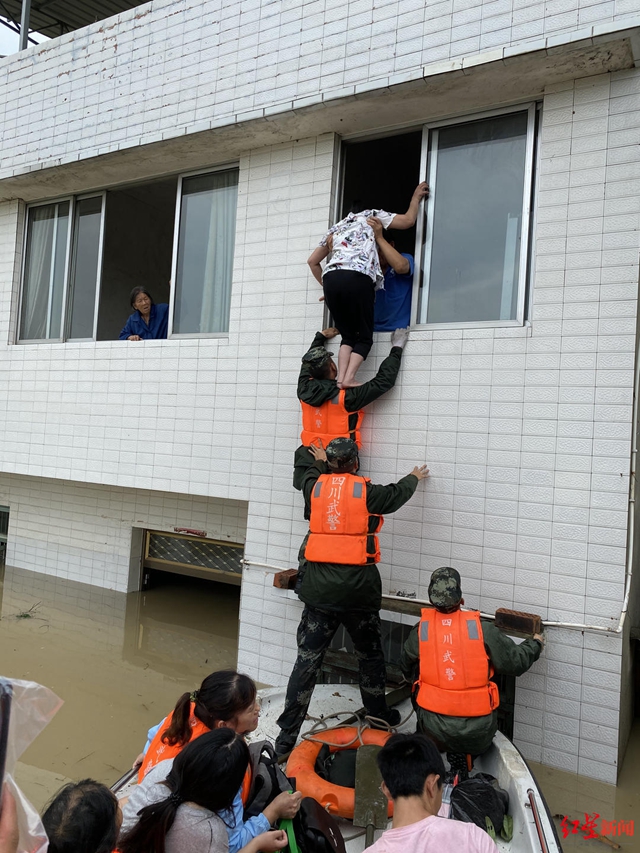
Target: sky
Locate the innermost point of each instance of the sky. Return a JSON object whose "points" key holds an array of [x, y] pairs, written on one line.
{"points": [[9, 40]]}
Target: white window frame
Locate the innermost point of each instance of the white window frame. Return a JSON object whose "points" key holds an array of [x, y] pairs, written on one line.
{"points": [[227, 167], [424, 229], [65, 315]]}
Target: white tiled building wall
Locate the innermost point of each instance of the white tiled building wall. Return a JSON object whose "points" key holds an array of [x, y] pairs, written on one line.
{"points": [[527, 430], [82, 532], [171, 67]]}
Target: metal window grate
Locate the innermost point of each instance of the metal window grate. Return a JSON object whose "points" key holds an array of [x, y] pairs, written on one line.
{"points": [[186, 551]]}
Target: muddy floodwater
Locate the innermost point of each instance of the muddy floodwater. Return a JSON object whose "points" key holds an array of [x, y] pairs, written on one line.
{"points": [[121, 661]]}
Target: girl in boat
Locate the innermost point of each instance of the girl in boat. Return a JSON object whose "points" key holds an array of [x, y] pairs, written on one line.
{"points": [[186, 803], [226, 699]]}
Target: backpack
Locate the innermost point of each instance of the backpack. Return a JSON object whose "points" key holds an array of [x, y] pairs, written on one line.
{"points": [[267, 778], [313, 830], [480, 800]]}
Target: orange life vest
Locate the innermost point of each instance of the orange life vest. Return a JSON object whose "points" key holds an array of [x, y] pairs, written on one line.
{"points": [[159, 751], [455, 669], [339, 524], [328, 421]]}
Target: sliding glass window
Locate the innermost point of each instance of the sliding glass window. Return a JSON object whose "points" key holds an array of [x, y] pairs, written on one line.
{"points": [[474, 245], [204, 256], [61, 270]]}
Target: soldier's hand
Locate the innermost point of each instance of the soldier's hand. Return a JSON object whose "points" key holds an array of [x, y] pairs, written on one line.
{"points": [[317, 451], [420, 471], [540, 639], [400, 337], [331, 332]]}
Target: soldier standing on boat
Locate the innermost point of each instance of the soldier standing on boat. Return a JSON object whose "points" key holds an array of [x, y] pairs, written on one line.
{"points": [[451, 655], [341, 585], [329, 412]]}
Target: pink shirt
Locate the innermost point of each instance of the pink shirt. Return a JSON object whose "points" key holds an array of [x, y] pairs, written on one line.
{"points": [[435, 835]]}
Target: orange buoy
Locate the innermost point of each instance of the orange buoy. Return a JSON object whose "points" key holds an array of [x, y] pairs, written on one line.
{"points": [[301, 766]]}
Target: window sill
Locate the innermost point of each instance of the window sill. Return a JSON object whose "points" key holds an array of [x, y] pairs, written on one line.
{"points": [[446, 332]]}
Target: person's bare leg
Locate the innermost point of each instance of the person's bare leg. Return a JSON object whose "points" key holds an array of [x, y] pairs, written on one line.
{"points": [[349, 380], [344, 354]]}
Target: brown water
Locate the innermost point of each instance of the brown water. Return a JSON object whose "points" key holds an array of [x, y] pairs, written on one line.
{"points": [[118, 661], [121, 661]]}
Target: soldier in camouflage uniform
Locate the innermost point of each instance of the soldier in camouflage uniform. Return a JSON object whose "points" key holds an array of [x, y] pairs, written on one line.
{"points": [[317, 384], [463, 735], [342, 594]]}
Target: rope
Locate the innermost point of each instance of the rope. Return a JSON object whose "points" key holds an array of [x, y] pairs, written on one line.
{"points": [[362, 723]]}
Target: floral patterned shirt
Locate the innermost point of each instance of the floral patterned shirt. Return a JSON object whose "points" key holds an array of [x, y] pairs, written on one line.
{"points": [[354, 244]]}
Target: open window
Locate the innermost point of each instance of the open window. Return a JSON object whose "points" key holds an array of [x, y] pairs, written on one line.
{"points": [[473, 245], [84, 254]]}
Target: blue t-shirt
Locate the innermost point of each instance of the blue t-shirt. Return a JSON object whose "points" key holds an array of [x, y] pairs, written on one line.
{"points": [[393, 303], [157, 328]]}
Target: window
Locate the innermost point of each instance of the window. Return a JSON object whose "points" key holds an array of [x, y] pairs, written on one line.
{"points": [[476, 225], [62, 270], [206, 240], [83, 256]]}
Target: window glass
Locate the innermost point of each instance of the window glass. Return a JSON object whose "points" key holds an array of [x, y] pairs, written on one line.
{"points": [[205, 253], [45, 262], [477, 174], [84, 269]]}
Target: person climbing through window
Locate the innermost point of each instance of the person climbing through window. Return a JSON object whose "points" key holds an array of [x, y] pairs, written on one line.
{"points": [[351, 276], [327, 411]]}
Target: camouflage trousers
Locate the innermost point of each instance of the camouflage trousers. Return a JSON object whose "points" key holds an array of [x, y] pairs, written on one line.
{"points": [[315, 632]]}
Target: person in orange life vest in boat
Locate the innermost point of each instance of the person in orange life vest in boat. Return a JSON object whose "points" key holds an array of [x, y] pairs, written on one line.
{"points": [[226, 699], [341, 583], [451, 655], [327, 411]]}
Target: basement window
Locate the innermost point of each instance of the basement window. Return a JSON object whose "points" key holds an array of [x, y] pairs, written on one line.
{"points": [[84, 254]]}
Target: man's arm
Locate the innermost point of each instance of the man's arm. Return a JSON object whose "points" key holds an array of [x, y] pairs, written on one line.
{"points": [[384, 380], [385, 499], [310, 478], [507, 657], [396, 261], [402, 221]]}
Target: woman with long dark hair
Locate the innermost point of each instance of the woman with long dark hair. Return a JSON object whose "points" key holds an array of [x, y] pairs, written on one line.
{"points": [[225, 700], [184, 804]]}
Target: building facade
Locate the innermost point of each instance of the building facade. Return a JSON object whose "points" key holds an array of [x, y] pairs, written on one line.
{"points": [[202, 149]]}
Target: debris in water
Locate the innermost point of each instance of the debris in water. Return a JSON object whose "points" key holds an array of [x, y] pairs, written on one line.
{"points": [[30, 613]]}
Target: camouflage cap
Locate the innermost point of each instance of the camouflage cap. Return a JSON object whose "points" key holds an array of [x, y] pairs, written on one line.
{"points": [[342, 452], [316, 356], [444, 587]]}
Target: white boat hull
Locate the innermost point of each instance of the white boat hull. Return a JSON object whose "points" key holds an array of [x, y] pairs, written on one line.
{"points": [[502, 760]]}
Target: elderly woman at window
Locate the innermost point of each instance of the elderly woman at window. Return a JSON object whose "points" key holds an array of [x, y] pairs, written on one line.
{"points": [[148, 321]]}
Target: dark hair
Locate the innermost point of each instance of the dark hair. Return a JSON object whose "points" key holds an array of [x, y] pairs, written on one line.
{"points": [[405, 761], [136, 292], [81, 818], [207, 772], [222, 696], [323, 370]]}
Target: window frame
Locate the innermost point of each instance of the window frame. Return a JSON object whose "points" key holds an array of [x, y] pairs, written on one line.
{"points": [[424, 225], [226, 167], [65, 319]]}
